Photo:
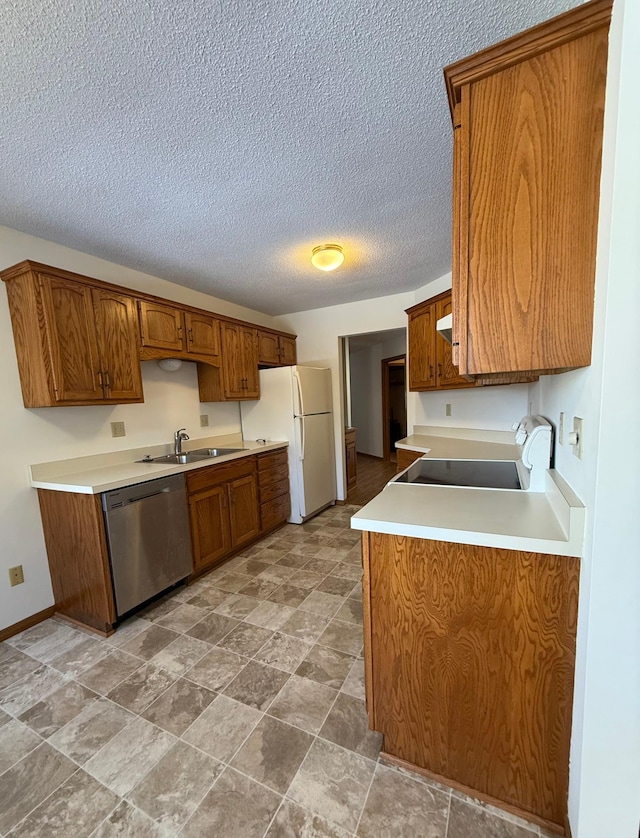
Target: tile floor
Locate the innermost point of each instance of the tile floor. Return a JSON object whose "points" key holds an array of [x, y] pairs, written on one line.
{"points": [[233, 708]]}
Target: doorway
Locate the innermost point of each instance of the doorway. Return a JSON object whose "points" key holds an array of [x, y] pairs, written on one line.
{"points": [[394, 404]]}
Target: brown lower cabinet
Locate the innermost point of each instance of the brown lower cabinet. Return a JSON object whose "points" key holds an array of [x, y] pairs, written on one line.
{"points": [[406, 457], [223, 506], [469, 660], [226, 514]]}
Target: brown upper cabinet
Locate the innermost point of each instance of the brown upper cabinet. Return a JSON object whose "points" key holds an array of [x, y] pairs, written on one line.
{"points": [[275, 350], [430, 364], [79, 340], [166, 328], [527, 143], [75, 344], [240, 362]]}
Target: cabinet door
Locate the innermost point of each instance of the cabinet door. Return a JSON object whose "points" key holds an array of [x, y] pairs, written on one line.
{"points": [[161, 326], [352, 474], [250, 363], [71, 336], [116, 320], [232, 367], [531, 135], [448, 375], [288, 354], [243, 500], [203, 333], [210, 532], [422, 349], [268, 348]]}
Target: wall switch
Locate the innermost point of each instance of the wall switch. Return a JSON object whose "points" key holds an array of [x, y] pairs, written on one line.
{"points": [[561, 429], [575, 437], [117, 429], [204, 420], [16, 576], [447, 409]]}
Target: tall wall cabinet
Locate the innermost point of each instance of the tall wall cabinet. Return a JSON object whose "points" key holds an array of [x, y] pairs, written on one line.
{"points": [[527, 142]]}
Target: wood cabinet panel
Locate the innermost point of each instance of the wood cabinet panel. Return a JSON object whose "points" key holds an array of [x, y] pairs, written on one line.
{"points": [[530, 109], [274, 490], [210, 529], [71, 336], [203, 333], [275, 512], [471, 665], [275, 350], [243, 514], [240, 362], [116, 320], [161, 326], [351, 458], [78, 557], [431, 364], [272, 462]]}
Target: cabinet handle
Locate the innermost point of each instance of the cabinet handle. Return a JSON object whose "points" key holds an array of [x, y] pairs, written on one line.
{"points": [[107, 382], [100, 382], [430, 370], [180, 332], [190, 335]]}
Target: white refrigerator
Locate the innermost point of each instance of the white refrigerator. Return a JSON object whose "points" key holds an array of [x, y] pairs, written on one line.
{"points": [[296, 405]]}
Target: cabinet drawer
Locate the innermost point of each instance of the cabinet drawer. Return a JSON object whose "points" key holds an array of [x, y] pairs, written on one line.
{"points": [[274, 475], [272, 460], [204, 478], [275, 512], [274, 490]]}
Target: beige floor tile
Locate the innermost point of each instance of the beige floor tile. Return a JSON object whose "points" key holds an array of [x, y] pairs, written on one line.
{"points": [[326, 666], [273, 753], [23, 694], [303, 703], [30, 781], [110, 671], [181, 654], [293, 821], [236, 807], [257, 685], [222, 728], [333, 783], [216, 669], [147, 643], [179, 706], [345, 637], [245, 639], [128, 822], [16, 667], [175, 786], [212, 627], [59, 708], [80, 657], [76, 808], [127, 758], [181, 618], [137, 691], [16, 741], [270, 615], [322, 603], [468, 819], [347, 725], [283, 652], [92, 728]]}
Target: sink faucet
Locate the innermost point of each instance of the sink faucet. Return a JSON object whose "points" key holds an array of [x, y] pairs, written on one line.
{"points": [[178, 438]]}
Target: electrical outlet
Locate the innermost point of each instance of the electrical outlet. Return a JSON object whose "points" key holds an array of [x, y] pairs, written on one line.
{"points": [[117, 429], [204, 420], [575, 437], [561, 429], [447, 409], [16, 575]]}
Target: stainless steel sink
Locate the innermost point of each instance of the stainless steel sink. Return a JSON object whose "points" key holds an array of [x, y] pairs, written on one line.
{"points": [[215, 452], [191, 456]]}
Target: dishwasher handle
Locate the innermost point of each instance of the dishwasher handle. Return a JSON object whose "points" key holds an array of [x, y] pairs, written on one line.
{"points": [[152, 495]]}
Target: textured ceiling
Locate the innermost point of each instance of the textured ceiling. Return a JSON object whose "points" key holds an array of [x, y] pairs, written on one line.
{"points": [[214, 144]]}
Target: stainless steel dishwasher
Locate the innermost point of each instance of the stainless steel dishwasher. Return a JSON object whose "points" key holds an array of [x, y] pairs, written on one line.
{"points": [[148, 535]]}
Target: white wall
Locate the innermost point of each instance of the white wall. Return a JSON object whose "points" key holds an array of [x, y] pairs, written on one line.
{"points": [[40, 435], [604, 793], [366, 390], [318, 333]]}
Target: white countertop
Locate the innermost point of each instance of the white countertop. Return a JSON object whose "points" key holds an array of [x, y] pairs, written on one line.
{"points": [[550, 522], [103, 472]]}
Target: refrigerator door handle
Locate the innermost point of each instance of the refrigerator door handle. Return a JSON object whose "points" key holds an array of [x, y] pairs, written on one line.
{"points": [[301, 426], [300, 405]]}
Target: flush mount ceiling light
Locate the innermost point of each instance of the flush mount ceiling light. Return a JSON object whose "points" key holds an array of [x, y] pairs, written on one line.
{"points": [[170, 364], [327, 257]]}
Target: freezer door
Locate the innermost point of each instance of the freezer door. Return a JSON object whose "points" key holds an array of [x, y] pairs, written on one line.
{"points": [[316, 463], [311, 390]]}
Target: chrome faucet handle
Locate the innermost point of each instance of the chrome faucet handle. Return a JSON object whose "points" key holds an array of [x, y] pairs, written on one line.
{"points": [[180, 433]]}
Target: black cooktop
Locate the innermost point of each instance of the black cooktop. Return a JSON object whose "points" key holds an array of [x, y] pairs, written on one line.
{"points": [[489, 474]]}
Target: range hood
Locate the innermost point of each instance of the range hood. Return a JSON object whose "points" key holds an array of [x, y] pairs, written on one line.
{"points": [[444, 327]]}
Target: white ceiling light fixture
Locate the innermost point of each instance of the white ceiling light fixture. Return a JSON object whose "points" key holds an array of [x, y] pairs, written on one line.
{"points": [[327, 257]]}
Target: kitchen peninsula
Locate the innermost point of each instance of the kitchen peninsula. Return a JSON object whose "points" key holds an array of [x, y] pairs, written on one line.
{"points": [[470, 608]]}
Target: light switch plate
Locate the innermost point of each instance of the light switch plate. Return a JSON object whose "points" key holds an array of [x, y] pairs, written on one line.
{"points": [[117, 429], [447, 409]]}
